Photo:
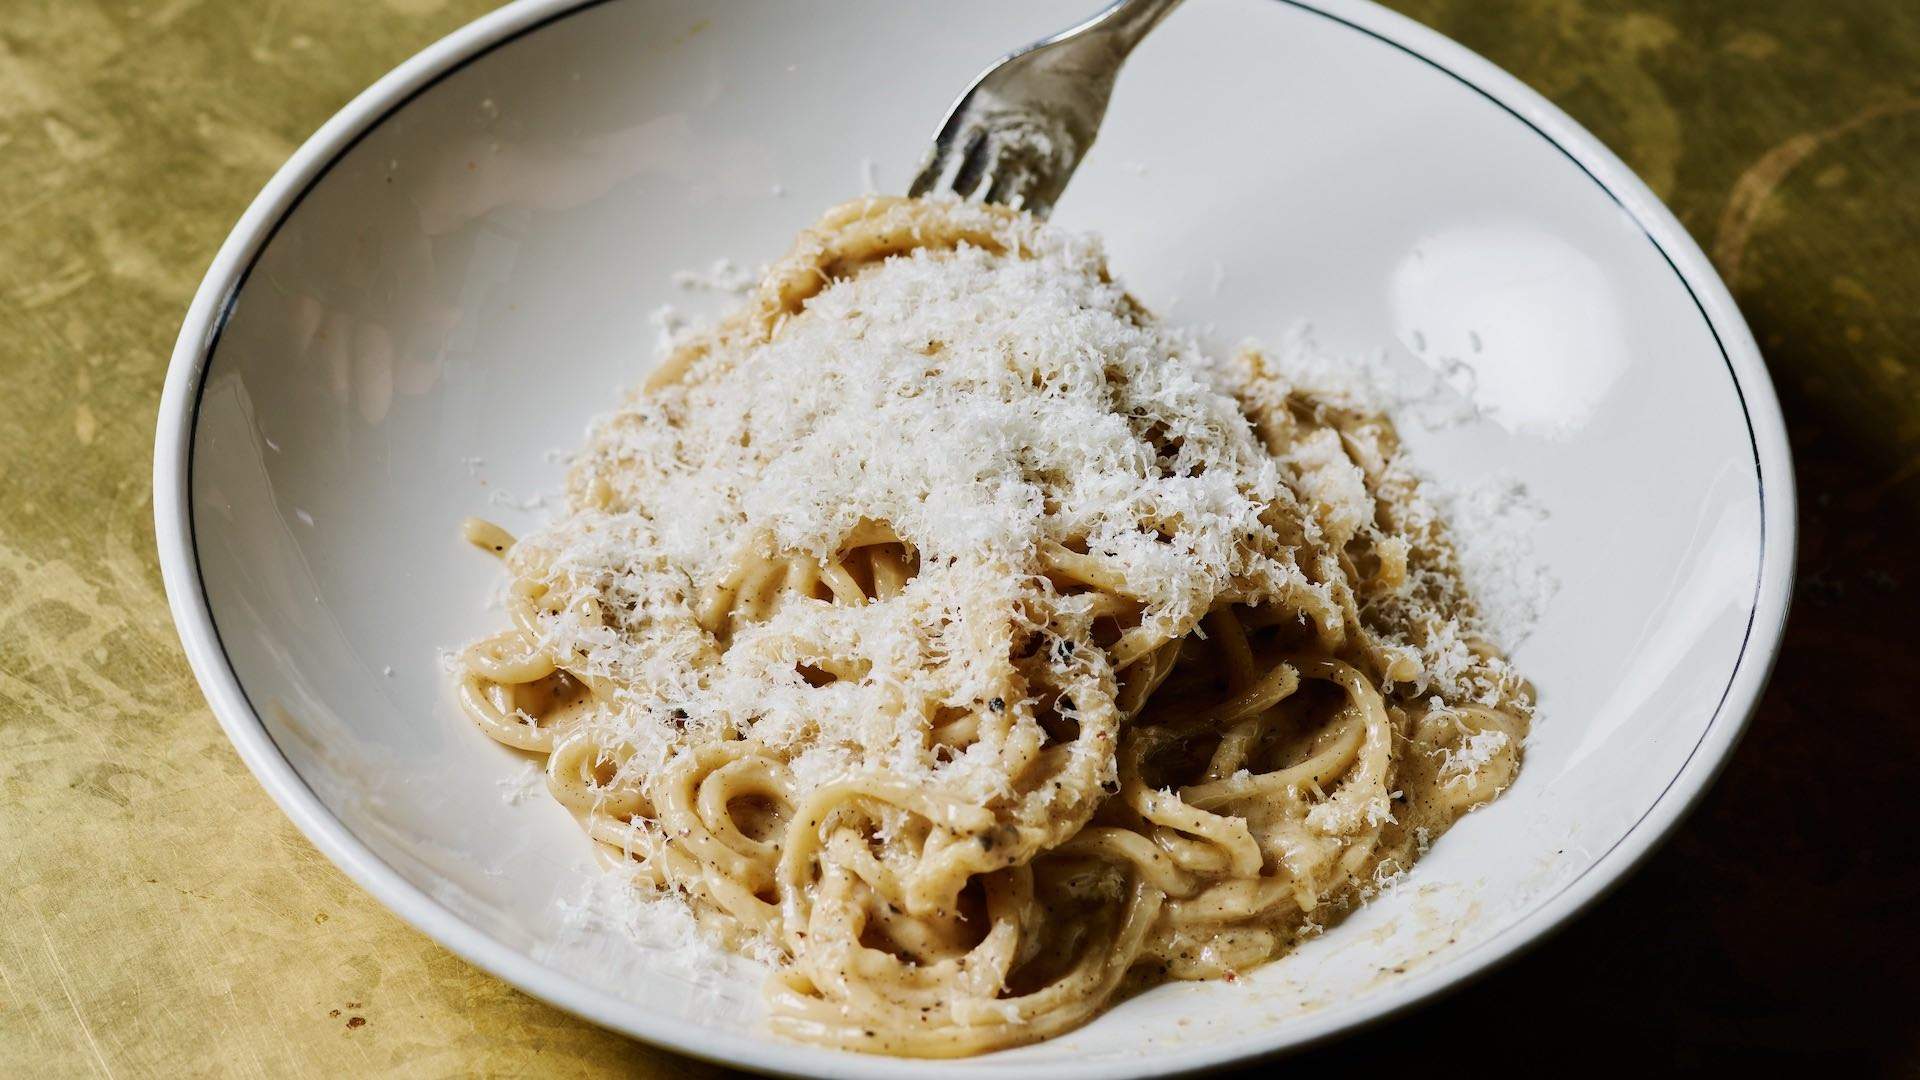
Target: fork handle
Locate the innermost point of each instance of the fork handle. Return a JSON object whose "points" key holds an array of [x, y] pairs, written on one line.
{"points": [[1130, 20]]}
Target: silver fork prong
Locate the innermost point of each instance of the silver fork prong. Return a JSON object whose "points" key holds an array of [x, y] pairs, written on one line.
{"points": [[928, 181], [973, 162], [939, 160], [1007, 187]]}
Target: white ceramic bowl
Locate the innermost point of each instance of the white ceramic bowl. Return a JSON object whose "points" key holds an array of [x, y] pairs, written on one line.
{"points": [[457, 271]]}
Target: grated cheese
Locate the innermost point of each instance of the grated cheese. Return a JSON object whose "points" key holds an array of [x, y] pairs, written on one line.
{"points": [[1473, 754], [525, 783], [722, 277]]}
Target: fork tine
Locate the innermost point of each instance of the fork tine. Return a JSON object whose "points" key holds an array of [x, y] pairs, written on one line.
{"points": [[923, 184], [928, 181], [974, 160], [1006, 186]]}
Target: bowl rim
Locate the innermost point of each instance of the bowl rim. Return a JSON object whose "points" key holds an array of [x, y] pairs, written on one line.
{"points": [[214, 302]]}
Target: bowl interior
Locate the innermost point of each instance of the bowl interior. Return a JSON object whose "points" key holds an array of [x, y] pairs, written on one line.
{"points": [[479, 275]]}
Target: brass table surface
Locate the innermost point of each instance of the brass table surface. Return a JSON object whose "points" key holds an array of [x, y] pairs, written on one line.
{"points": [[159, 917]]}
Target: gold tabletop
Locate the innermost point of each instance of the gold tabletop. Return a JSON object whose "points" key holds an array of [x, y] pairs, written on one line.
{"points": [[159, 917]]}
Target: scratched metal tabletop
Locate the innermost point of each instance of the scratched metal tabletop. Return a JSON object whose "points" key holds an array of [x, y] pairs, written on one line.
{"points": [[159, 917]]}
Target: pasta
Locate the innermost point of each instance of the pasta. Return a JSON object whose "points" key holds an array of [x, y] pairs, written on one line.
{"points": [[976, 650]]}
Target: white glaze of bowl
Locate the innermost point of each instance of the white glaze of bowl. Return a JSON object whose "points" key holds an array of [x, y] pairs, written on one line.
{"points": [[458, 271]]}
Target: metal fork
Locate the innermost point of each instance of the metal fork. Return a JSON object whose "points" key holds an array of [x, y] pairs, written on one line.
{"points": [[1020, 130]]}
